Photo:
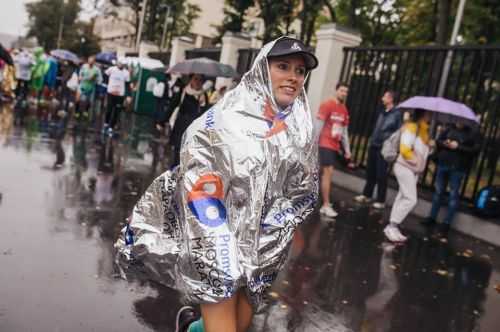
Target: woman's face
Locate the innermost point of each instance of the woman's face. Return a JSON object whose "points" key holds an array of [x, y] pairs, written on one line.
{"points": [[287, 78], [196, 82], [427, 117]]}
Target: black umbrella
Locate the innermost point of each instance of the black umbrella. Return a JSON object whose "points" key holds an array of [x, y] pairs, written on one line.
{"points": [[5, 56], [204, 66]]}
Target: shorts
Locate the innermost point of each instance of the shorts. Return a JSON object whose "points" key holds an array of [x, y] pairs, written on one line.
{"points": [[86, 96], [329, 157]]}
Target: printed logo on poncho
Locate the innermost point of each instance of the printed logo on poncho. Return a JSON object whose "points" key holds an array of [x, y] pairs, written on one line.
{"points": [[275, 121], [205, 200]]}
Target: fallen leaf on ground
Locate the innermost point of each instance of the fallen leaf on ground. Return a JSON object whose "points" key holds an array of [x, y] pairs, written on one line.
{"points": [[443, 240], [468, 253], [497, 288], [284, 306], [274, 295], [394, 267], [441, 272], [485, 257]]}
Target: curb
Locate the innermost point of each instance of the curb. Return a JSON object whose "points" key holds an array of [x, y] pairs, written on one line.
{"points": [[464, 223]]}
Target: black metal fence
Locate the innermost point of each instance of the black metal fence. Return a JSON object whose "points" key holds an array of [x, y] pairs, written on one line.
{"points": [[474, 79], [162, 56], [207, 52], [246, 56]]}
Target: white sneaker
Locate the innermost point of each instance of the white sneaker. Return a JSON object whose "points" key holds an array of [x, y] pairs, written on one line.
{"points": [[393, 234], [361, 199], [328, 211], [378, 206]]}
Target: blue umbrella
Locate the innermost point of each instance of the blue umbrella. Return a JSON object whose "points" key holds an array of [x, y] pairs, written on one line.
{"points": [[65, 55], [106, 57]]}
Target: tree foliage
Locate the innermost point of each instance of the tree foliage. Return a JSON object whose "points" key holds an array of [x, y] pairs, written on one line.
{"points": [[380, 22], [45, 17], [234, 17], [182, 15]]}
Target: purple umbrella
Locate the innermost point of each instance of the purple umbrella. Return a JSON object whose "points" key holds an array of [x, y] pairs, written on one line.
{"points": [[65, 55], [440, 105]]}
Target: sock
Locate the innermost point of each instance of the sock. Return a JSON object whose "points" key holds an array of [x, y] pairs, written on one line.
{"points": [[196, 326]]}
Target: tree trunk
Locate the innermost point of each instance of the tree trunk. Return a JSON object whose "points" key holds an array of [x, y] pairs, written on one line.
{"points": [[444, 9], [331, 10], [352, 19]]}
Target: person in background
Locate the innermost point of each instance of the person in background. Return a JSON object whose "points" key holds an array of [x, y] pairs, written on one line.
{"points": [[23, 62], [118, 80], [218, 94], [334, 138], [414, 149], [50, 78], [192, 102], [90, 75], [388, 121], [38, 71], [458, 145]]}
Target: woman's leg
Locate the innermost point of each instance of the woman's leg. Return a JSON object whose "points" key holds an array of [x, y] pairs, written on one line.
{"points": [[407, 194], [245, 312], [220, 317]]}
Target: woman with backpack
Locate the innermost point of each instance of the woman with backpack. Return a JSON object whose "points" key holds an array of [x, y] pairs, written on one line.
{"points": [[414, 148]]}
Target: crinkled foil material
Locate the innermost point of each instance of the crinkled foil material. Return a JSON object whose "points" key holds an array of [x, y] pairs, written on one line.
{"points": [[224, 219]]}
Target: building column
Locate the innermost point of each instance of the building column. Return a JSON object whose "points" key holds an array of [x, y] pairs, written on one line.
{"points": [[332, 39], [231, 43], [179, 47]]}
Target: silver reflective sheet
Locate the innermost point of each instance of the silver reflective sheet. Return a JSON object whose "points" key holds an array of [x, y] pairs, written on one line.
{"points": [[247, 178]]}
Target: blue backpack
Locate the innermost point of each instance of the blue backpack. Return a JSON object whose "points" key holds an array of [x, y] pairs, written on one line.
{"points": [[488, 202]]}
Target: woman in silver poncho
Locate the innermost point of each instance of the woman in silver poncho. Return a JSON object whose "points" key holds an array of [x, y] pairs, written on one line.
{"points": [[219, 226]]}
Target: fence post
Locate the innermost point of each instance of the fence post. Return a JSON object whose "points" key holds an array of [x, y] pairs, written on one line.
{"points": [[179, 47], [332, 38], [231, 43]]}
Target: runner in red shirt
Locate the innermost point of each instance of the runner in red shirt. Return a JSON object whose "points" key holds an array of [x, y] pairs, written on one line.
{"points": [[333, 140]]}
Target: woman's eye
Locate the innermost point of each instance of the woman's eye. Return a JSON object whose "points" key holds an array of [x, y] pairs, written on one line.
{"points": [[301, 71], [283, 66]]}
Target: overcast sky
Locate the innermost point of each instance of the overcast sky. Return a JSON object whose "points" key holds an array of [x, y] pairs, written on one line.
{"points": [[13, 17]]}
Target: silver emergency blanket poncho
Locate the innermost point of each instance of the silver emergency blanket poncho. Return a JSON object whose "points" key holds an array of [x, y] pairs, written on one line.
{"points": [[224, 219]]}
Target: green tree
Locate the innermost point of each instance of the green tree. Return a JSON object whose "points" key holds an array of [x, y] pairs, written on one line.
{"points": [[182, 13], [234, 17], [271, 12], [46, 17], [378, 21]]}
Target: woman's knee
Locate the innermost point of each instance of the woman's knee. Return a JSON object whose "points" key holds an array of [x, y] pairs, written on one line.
{"points": [[244, 313], [220, 317]]}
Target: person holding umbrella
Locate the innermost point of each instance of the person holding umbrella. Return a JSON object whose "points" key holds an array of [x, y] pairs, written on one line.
{"points": [[219, 227], [458, 146], [414, 149], [187, 104]]}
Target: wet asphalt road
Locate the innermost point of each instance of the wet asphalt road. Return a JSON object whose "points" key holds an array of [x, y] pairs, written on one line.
{"points": [[58, 226]]}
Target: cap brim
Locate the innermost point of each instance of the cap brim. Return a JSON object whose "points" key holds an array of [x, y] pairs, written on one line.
{"points": [[310, 59]]}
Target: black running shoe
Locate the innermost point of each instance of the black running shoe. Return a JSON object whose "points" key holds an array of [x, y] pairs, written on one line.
{"points": [[185, 316], [428, 222], [444, 229]]}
